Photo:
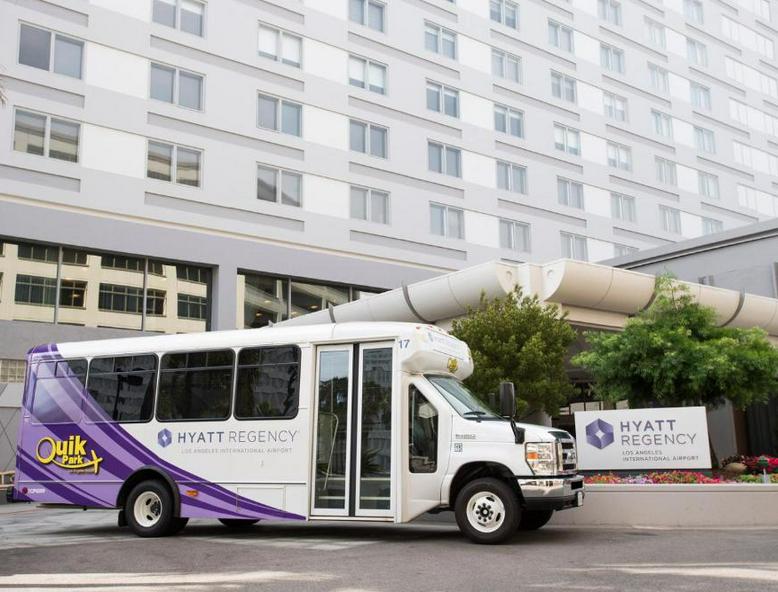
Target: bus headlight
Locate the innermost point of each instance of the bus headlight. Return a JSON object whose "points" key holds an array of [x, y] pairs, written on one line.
{"points": [[541, 458]]}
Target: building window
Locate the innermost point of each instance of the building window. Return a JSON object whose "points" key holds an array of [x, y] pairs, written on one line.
{"points": [[63, 56], [368, 138], [32, 289], [279, 186], [560, 36], [570, 193], [663, 124], [696, 52], [280, 45], [190, 273], [117, 298], [122, 262], [446, 221], [192, 307], [704, 140], [574, 246], [38, 252], [442, 99], [671, 219], [370, 205], [711, 226], [623, 250], [279, 115], [623, 207], [612, 58], [692, 9], [367, 12], [614, 106], [509, 121], [659, 77], [700, 96], [619, 156], [567, 139], [506, 65], [186, 15], [367, 74], [610, 11], [176, 86], [168, 162], [563, 87], [511, 177], [35, 133], [440, 40], [665, 171], [504, 12], [12, 371], [709, 185], [515, 236], [444, 159], [656, 33]]}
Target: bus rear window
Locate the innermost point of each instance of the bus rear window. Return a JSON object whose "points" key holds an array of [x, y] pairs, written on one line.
{"points": [[123, 387], [268, 383], [195, 385], [57, 390]]}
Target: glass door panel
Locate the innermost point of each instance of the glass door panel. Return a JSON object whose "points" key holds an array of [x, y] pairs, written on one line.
{"points": [[375, 430], [332, 432]]}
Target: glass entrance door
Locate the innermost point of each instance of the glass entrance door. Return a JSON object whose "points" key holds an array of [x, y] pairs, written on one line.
{"points": [[354, 464]]}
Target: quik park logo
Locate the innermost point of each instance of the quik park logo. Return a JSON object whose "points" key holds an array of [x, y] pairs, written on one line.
{"points": [[70, 454]]}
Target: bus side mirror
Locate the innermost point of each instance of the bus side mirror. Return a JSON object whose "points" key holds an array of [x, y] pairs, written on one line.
{"points": [[507, 399]]}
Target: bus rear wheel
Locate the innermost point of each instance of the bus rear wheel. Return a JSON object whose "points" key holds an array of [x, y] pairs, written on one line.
{"points": [[237, 522], [149, 510], [487, 511]]}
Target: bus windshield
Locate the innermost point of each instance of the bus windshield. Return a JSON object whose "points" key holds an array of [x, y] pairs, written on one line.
{"points": [[461, 398]]}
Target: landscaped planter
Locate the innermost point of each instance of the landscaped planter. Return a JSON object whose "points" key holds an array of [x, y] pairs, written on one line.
{"points": [[726, 504]]}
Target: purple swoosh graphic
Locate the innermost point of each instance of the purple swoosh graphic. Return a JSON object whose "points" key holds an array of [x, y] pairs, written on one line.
{"points": [[77, 414]]}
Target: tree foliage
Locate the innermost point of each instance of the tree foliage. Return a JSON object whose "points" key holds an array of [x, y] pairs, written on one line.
{"points": [[516, 338], [674, 354]]}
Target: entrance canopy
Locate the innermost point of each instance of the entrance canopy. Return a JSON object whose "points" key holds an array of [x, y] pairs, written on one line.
{"points": [[592, 295]]}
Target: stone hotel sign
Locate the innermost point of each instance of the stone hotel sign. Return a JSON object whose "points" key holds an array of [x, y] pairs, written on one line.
{"points": [[635, 439]]}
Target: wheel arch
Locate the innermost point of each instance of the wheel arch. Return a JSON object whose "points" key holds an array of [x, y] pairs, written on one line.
{"points": [[480, 469], [145, 473]]}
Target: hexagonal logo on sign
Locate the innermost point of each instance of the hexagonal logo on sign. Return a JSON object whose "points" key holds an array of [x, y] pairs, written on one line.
{"points": [[164, 438], [599, 434]]}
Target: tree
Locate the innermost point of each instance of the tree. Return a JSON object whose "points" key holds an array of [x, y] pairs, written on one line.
{"points": [[674, 354], [516, 338]]}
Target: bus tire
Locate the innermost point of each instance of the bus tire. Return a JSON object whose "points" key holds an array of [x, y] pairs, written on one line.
{"points": [[149, 509], [534, 519], [238, 523], [487, 511], [178, 525]]}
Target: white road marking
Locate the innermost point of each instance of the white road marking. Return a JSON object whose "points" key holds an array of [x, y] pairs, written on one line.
{"points": [[757, 572]]}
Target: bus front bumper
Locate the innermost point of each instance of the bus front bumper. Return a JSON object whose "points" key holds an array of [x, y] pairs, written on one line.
{"points": [[552, 493]]}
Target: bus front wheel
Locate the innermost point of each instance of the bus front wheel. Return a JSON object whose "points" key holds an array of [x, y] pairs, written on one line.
{"points": [[487, 511], [149, 510]]}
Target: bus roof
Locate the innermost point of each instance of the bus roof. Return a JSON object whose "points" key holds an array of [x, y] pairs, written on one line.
{"points": [[335, 332]]}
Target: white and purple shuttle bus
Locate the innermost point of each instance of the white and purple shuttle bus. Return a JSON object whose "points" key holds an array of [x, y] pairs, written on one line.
{"points": [[351, 421]]}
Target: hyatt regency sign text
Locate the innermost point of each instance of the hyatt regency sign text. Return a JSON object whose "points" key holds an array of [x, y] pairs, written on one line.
{"points": [[633, 439]]}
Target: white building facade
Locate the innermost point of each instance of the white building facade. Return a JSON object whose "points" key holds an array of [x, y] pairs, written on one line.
{"points": [[177, 165]]}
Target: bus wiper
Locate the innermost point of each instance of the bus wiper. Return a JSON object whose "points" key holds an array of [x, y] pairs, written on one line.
{"points": [[477, 414]]}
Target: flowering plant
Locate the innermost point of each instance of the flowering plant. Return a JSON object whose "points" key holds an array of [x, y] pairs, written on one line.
{"points": [[672, 478], [752, 463]]}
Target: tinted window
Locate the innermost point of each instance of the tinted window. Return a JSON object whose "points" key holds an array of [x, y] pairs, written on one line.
{"points": [[54, 399], [195, 385], [268, 383], [124, 387], [423, 436]]}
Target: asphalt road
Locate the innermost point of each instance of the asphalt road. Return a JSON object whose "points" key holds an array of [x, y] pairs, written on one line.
{"points": [[45, 549]]}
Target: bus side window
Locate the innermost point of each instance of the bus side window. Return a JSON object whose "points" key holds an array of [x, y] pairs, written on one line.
{"points": [[423, 433], [123, 387], [57, 390], [268, 383], [195, 385]]}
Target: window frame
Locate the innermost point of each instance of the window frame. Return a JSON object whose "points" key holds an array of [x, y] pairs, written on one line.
{"points": [[445, 149], [174, 163], [177, 25], [367, 138], [620, 149], [568, 185], [563, 82], [177, 87], [505, 57], [610, 12], [47, 134], [366, 63], [567, 133], [666, 171], [53, 34], [235, 378], [618, 198], [446, 209], [279, 176], [611, 56], [365, 14], [512, 168], [280, 103], [155, 394], [279, 55], [509, 114], [611, 112], [668, 214], [513, 224], [558, 33], [369, 204], [442, 91], [573, 240], [502, 6], [439, 33]]}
